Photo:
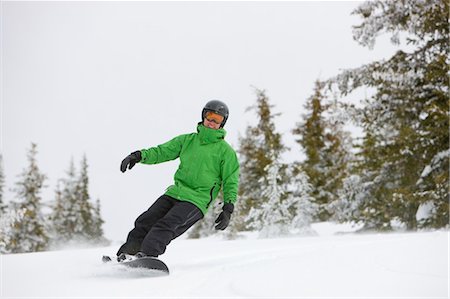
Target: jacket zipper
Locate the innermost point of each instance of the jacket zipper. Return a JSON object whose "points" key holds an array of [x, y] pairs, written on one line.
{"points": [[210, 196]]}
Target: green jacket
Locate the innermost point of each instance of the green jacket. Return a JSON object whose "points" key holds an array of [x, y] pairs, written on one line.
{"points": [[207, 163]]}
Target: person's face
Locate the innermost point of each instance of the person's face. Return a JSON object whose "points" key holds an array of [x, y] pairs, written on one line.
{"points": [[212, 120]]}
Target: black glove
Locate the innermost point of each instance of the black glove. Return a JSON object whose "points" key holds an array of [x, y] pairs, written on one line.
{"points": [[130, 161], [224, 217]]}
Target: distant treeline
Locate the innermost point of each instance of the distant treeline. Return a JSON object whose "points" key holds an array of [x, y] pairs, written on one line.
{"points": [[72, 217]]}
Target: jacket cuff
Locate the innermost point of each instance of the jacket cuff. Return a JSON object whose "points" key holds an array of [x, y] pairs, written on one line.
{"points": [[138, 155], [229, 207]]}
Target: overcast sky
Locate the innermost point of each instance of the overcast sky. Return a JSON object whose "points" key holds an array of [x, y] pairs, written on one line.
{"points": [[108, 78]]}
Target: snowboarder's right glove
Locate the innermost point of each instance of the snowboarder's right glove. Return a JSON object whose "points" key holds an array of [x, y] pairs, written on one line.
{"points": [[130, 161], [224, 218]]}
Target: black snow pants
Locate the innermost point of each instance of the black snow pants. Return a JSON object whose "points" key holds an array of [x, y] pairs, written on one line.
{"points": [[164, 221]]}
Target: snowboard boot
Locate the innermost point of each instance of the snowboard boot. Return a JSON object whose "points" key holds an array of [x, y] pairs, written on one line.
{"points": [[124, 257], [141, 254], [129, 248]]}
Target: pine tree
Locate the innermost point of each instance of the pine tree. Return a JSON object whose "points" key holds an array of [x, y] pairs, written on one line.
{"points": [[86, 210], [301, 205], [272, 217], [406, 120], [348, 206], [97, 233], [257, 149], [2, 185], [326, 148], [338, 153], [9, 219], [56, 218], [433, 188], [29, 234], [74, 217], [67, 224]]}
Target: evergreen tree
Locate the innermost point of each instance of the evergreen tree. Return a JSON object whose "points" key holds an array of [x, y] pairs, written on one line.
{"points": [[97, 233], [433, 190], [9, 219], [258, 148], [301, 205], [67, 224], [74, 217], [2, 185], [272, 217], [325, 146], [347, 207], [338, 153], [406, 120], [86, 210], [29, 234], [56, 218]]}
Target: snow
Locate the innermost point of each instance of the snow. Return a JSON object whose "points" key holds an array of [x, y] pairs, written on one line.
{"points": [[425, 210], [332, 264], [435, 162]]}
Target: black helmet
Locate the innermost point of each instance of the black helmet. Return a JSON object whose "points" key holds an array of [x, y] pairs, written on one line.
{"points": [[216, 107]]}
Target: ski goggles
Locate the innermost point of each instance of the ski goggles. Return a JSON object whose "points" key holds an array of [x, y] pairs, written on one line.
{"points": [[214, 117]]}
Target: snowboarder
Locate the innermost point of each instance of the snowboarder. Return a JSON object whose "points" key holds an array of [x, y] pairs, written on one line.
{"points": [[207, 164]]}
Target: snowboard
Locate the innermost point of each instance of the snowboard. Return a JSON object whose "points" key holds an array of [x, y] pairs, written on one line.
{"points": [[153, 264]]}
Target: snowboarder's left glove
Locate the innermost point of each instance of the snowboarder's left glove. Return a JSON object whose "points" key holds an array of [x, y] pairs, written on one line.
{"points": [[224, 217], [130, 161]]}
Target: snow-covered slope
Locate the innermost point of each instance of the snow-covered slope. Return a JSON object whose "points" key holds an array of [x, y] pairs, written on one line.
{"points": [[349, 265]]}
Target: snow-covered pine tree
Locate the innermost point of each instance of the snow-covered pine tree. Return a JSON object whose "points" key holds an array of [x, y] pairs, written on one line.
{"points": [[98, 233], [257, 149], [86, 209], [272, 217], [250, 168], [8, 220], [90, 215], [311, 138], [56, 219], [74, 217], [406, 120], [434, 189], [29, 234], [66, 220], [301, 205], [350, 198], [338, 155], [377, 177], [2, 185], [326, 146]]}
